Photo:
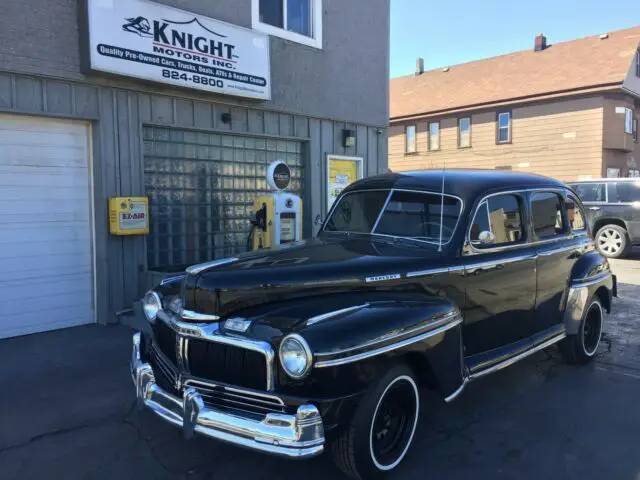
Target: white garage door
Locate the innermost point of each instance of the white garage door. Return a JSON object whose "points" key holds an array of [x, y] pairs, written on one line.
{"points": [[46, 260]]}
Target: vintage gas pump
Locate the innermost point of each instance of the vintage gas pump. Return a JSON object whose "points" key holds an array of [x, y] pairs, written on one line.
{"points": [[278, 217]]}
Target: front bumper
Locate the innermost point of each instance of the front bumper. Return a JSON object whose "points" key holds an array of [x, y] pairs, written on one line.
{"points": [[293, 436]]}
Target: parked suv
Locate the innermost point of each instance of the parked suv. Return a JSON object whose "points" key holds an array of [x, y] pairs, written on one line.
{"points": [[613, 213]]}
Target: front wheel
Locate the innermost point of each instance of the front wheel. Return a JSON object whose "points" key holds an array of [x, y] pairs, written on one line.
{"points": [[612, 241], [581, 348], [382, 429]]}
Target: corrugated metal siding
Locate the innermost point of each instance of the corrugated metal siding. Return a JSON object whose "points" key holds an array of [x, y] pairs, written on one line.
{"points": [[119, 116], [560, 139]]}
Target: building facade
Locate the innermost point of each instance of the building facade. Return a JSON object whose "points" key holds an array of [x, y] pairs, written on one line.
{"points": [[567, 111], [86, 115]]}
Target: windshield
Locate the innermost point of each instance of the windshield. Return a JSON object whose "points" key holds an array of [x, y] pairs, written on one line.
{"points": [[406, 214]]}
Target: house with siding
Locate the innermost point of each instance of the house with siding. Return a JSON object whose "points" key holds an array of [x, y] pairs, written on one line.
{"points": [[567, 110]]}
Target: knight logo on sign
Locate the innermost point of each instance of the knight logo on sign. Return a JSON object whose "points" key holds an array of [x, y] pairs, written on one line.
{"points": [[142, 39]]}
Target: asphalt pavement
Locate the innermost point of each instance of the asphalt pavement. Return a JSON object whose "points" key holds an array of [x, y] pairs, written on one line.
{"points": [[67, 411]]}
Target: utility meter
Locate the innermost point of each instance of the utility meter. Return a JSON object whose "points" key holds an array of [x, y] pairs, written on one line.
{"points": [[278, 217]]}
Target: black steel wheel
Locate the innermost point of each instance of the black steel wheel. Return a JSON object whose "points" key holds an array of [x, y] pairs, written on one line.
{"points": [[383, 427]]}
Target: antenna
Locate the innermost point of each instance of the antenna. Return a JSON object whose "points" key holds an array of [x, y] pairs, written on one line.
{"points": [[444, 169]]}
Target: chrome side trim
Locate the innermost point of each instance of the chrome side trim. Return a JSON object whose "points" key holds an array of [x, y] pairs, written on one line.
{"points": [[211, 333], [517, 358], [192, 316], [196, 269], [429, 272], [455, 394], [473, 267], [387, 348], [555, 251], [335, 313]]}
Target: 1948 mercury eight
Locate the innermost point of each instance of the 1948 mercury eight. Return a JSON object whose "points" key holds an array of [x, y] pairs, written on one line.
{"points": [[414, 280]]}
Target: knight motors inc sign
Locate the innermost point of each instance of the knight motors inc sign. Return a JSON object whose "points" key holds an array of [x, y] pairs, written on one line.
{"points": [[142, 39]]}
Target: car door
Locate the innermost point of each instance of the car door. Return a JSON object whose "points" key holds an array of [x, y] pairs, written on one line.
{"points": [[558, 229], [500, 279], [624, 198]]}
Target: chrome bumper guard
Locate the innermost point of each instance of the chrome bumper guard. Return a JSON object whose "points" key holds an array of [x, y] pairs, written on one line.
{"points": [[292, 436]]}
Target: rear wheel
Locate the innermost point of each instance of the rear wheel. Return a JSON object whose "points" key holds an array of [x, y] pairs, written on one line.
{"points": [[382, 429], [612, 241], [581, 348]]}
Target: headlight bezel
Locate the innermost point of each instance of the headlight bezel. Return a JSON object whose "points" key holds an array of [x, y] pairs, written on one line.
{"points": [[146, 301], [305, 350]]}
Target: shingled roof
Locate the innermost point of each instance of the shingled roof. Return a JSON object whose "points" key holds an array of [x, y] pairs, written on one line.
{"points": [[568, 67]]}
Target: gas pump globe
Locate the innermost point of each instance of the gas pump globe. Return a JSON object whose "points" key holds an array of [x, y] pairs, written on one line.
{"points": [[278, 217]]}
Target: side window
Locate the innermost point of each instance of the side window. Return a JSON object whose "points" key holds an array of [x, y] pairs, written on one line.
{"points": [[614, 191], [575, 215], [501, 216], [591, 192], [546, 209], [628, 192]]}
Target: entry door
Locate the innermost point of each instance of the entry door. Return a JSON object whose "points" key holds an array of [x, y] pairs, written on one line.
{"points": [[46, 255], [500, 277]]}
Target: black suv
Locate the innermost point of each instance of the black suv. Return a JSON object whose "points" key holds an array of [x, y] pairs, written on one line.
{"points": [[613, 212]]}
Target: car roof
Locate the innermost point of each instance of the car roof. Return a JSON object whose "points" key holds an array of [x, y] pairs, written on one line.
{"points": [[464, 183]]}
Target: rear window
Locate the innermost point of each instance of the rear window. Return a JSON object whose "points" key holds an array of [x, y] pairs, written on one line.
{"points": [[591, 192]]}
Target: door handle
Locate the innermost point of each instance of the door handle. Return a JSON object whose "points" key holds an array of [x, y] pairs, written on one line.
{"points": [[595, 209]]}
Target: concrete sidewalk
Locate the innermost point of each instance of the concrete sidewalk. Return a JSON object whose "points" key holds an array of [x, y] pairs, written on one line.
{"points": [[67, 411]]}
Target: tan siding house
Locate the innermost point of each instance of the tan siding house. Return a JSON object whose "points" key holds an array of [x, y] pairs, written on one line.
{"points": [[564, 121]]}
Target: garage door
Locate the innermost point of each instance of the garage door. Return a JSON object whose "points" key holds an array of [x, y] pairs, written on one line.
{"points": [[46, 279]]}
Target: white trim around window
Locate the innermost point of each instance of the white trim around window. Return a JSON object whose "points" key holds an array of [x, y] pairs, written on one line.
{"points": [[315, 40]]}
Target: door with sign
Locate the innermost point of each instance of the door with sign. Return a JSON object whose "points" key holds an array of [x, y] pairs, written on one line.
{"points": [[342, 171]]}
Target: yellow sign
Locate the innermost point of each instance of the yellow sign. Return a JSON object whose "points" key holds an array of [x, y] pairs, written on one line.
{"points": [[343, 171], [129, 215]]}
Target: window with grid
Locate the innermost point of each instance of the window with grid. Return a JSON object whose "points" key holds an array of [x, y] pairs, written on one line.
{"points": [[201, 188]]}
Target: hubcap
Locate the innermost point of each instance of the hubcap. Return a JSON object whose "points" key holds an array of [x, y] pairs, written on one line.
{"points": [[610, 241], [394, 423], [592, 329]]}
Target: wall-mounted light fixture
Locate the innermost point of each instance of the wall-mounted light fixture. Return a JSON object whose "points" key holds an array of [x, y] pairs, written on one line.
{"points": [[348, 138], [226, 118]]}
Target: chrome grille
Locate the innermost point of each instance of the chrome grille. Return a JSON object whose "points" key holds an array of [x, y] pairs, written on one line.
{"points": [[220, 397], [236, 400]]}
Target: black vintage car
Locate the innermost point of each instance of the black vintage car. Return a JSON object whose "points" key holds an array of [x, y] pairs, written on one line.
{"points": [[613, 212], [328, 342]]}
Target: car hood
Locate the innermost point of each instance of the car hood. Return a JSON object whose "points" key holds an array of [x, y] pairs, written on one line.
{"points": [[331, 264]]}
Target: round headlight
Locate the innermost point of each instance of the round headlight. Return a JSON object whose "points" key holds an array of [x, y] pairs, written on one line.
{"points": [[151, 304], [295, 356]]}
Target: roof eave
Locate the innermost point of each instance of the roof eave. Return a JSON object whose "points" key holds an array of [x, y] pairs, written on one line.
{"points": [[605, 87]]}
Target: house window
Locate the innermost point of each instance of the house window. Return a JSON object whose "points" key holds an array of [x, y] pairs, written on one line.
{"points": [[613, 172], [410, 139], [638, 63], [434, 136], [296, 20], [634, 173], [635, 129], [628, 121], [464, 132], [504, 127]]}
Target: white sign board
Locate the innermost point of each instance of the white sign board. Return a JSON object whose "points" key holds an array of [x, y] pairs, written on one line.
{"points": [[135, 218], [142, 39]]}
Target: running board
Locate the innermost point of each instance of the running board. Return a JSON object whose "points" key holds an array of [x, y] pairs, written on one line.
{"points": [[508, 362]]}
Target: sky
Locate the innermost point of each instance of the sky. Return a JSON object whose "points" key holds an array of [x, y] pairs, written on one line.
{"points": [[448, 32]]}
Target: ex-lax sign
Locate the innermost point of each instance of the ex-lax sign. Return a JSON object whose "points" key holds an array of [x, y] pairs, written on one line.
{"points": [[142, 39]]}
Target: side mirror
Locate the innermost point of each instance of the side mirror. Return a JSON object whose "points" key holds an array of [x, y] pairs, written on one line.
{"points": [[486, 238]]}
